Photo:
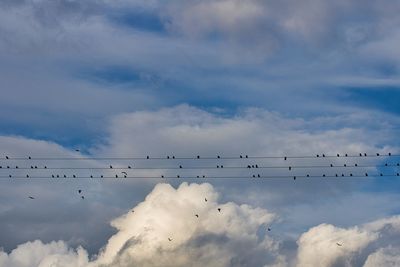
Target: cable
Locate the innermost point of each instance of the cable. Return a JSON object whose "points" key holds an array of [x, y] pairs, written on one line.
{"points": [[220, 167], [211, 177], [205, 158]]}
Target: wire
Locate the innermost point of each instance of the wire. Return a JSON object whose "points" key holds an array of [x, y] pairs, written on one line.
{"points": [[206, 177], [364, 155], [202, 167]]}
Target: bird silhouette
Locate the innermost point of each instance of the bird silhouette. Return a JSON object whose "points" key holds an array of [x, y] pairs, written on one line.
{"points": [[31, 197], [111, 166], [169, 239], [77, 150], [7, 157], [339, 244], [79, 191], [269, 229], [197, 215], [205, 199], [219, 209], [82, 197], [124, 173]]}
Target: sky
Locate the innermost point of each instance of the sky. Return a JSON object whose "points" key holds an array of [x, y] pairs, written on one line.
{"points": [[127, 78]]}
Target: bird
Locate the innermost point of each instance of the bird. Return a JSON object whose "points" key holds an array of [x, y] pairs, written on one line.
{"points": [[337, 155], [339, 244], [79, 191], [269, 229], [124, 173], [218, 157], [169, 239], [27, 176], [180, 166], [77, 150], [7, 157], [147, 157], [198, 156], [290, 168], [132, 211], [111, 167], [205, 199], [129, 167], [31, 197], [197, 215], [82, 197], [219, 209]]}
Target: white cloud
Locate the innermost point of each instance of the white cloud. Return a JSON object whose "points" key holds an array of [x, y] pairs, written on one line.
{"points": [[372, 244], [37, 254], [230, 237]]}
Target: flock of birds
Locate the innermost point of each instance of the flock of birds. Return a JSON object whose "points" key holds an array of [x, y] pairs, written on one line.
{"points": [[123, 171], [252, 163]]}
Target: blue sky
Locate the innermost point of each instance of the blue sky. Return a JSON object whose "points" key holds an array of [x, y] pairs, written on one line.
{"points": [[225, 76]]}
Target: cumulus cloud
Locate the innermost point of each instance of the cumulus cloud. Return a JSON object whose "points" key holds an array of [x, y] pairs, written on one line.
{"points": [[164, 230], [372, 244], [230, 237]]}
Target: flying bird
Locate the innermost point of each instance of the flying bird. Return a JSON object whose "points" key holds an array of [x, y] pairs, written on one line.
{"points": [[339, 244], [31, 197], [77, 150]]}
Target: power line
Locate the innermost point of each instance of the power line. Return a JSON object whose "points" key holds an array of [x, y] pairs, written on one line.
{"points": [[366, 175], [172, 157], [220, 167]]}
